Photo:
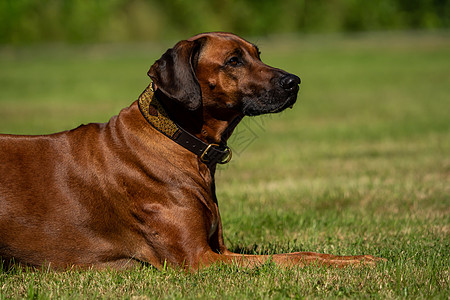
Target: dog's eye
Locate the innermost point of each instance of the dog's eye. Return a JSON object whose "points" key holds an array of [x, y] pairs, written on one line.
{"points": [[234, 61]]}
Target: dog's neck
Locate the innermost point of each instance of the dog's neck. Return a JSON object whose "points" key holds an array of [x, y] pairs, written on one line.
{"points": [[218, 127], [209, 126], [188, 129]]}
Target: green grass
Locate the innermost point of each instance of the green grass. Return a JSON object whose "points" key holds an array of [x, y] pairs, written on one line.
{"points": [[361, 165]]}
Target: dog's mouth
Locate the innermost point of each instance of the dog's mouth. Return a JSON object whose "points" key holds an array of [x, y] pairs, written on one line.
{"points": [[255, 108], [289, 103]]}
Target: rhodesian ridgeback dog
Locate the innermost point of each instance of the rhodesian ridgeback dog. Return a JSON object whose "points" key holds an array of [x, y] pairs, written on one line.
{"points": [[140, 188]]}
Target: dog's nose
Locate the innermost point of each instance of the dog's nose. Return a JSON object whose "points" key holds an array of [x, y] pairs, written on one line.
{"points": [[289, 82]]}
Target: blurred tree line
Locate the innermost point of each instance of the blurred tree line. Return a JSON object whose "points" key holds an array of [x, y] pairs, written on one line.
{"points": [[27, 21]]}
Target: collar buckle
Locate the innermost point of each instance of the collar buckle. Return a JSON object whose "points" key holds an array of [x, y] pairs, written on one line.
{"points": [[219, 156]]}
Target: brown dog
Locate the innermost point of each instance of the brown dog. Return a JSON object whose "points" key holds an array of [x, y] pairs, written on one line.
{"points": [[140, 188]]}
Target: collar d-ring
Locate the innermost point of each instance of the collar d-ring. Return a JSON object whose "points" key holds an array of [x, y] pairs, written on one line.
{"points": [[227, 157]]}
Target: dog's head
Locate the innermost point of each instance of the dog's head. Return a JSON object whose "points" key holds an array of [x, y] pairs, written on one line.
{"points": [[223, 72]]}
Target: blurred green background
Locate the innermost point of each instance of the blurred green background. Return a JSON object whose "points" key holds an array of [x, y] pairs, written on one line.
{"points": [[25, 21]]}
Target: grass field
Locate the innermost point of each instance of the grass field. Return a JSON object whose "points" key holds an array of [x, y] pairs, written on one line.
{"points": [[361, 165]]}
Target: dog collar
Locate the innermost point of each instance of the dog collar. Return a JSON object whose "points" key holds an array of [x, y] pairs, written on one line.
{"points": [[155, 114]]}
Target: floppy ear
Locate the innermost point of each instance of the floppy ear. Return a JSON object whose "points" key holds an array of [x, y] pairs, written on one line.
{"points": [[174, 73]]}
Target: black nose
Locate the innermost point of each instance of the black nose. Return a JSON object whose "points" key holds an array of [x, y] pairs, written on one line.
{"points": [[289, 82]]}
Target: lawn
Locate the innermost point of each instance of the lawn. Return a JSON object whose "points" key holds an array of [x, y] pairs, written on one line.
{"points": [[360, 165]]}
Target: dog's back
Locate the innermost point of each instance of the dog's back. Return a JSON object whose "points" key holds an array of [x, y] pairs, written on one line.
{"points": [[50, 188]]}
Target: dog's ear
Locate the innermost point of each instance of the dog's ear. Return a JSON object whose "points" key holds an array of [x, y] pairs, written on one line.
{"points": [[174, 73]]}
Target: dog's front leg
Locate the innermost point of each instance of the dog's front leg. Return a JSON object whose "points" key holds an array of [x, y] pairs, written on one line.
{"points": [[286, 259]]}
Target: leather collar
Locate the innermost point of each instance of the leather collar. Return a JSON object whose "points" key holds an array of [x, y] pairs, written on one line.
{"points": [[155, 114]]}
